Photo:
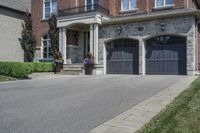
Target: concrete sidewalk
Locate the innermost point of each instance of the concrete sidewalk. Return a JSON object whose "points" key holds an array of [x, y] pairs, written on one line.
{"points": [[136, 117]]}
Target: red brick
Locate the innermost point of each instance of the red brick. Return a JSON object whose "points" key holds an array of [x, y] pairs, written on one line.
{"points": [[114, 6]]}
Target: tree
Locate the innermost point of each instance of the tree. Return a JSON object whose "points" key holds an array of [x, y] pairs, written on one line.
{"points": [[28, 40], [54, 34]]}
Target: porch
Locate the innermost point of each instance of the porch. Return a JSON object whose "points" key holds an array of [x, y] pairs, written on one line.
{"points": [[79, 34]]}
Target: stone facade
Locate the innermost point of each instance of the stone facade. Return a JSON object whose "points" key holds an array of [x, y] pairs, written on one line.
{"points": [[182, 26]]}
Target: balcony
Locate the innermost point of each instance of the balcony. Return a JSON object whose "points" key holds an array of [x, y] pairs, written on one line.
{"points": [[83, 9]]}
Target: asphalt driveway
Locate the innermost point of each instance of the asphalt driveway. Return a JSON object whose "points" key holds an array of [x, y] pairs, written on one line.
{"points": [[73, 104]]}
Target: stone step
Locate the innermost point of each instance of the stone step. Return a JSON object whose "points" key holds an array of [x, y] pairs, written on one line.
{"points": [[73, 69]]}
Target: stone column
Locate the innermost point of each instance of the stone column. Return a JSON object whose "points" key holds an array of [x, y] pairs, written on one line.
{"points": [[63, 43], [142, 53], [191, 49], [141, 56], [94, 41]]}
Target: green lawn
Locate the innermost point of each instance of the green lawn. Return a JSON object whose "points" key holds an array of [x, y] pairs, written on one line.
{"points": [[6, 78], [181, 116]]}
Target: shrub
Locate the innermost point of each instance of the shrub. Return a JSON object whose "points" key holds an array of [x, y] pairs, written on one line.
{"points": [[41, 67], [14, 69], [22, 70]]}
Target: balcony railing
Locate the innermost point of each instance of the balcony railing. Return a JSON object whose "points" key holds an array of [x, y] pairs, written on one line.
{"points": [[83, 9]]}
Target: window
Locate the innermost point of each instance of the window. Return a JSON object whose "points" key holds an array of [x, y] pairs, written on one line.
{"points": [[50, 6], [46, 48], [128, 5], [161, 3], [91, 4]]}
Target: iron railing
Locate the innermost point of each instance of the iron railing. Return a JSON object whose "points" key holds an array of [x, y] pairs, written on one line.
{"points": [[83, 9]]}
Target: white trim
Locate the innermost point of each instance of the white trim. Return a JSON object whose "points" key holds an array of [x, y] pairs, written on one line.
{"points": [[41, 48], [163, 6]]}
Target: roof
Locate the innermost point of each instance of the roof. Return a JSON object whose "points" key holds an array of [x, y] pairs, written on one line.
{"points": [[20, 5]]}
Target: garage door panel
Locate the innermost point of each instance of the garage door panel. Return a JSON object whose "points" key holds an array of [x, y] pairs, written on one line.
{"points": [[166, 56], [123, 57]]}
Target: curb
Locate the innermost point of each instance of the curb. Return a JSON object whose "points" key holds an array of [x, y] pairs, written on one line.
{"points": [[133, 119]]}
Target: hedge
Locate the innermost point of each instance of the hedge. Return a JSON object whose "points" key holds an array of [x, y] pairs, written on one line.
{"points": [[22, 70]]}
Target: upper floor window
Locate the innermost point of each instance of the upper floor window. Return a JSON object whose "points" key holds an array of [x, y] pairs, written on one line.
{"points": [[161, 3], [46, 47], [128, 5], [91, 4], [50, 6]]}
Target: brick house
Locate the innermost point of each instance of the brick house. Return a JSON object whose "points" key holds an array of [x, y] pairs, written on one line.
{"points": [[11, 18], [125, 36]]}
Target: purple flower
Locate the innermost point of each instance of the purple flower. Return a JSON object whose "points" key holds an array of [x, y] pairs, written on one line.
{"points": [[89, 61]]}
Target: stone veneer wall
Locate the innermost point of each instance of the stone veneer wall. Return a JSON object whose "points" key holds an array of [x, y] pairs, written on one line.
{"points": [[184, 26]]}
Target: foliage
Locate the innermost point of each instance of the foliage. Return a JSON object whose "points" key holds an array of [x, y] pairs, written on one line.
{"points": [[22, 70], [181, 116], [28, 40], [14, 69], [89, 60], [54, 34], [40, 66], [58, 56]]}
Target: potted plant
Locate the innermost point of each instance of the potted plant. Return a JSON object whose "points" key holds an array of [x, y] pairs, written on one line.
{"points": [[58, 61], [89, 64]]}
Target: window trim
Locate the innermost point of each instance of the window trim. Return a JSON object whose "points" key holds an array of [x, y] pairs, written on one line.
{"points": [[163, 6], [42, 47], [51, 9], [129, 7]]}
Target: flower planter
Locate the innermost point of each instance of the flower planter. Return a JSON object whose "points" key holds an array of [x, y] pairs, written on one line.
{"points": [[89, 64], [58, 66], [89, 69]]}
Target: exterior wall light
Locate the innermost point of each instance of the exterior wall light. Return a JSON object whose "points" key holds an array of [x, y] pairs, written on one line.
{"points": [[119, 30]]}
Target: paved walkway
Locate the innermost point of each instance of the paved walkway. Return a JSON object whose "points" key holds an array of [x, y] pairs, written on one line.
{"points": [[136, 117]]}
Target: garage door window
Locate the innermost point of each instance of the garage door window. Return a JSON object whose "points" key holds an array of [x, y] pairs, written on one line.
{"points": [[163, 40]]}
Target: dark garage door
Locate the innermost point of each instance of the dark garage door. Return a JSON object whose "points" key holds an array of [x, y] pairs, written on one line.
{"points": [[166, 55], [123, 57]]}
